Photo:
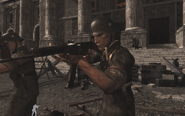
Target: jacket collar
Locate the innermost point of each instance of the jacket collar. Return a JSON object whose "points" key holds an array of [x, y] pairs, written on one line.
{"points": [[113, 45]]}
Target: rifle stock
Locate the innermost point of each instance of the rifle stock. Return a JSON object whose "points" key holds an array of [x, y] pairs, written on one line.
{"points": [[71, 48]]}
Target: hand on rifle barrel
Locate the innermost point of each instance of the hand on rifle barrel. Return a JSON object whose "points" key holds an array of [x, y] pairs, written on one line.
{"points": [[67, 58], [72, 58], [88, 57]]}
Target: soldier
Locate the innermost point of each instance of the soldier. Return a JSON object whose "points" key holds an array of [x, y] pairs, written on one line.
{"points": [[115, 76], [22, 73]]}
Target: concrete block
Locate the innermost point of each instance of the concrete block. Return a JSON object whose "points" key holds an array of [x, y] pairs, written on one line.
{"points": [[165, 83], [178, 98], [157, 92], [168, 76], [134, 91], [136, 87], [151, 85], [183, 96], [165, 96]]}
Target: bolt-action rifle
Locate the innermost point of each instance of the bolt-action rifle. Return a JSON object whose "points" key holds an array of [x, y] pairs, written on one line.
{"points": [[71, 48]]}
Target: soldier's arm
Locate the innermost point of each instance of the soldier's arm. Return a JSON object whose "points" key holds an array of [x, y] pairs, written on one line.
{"points": [[98, 77], [3, 68], [8, 66], [114, 76]]}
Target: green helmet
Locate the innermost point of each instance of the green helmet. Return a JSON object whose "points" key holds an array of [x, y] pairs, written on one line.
{"points": [[10, 35], [103, 25]]}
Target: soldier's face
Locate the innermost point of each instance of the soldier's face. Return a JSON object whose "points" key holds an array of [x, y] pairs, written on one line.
{"points": [[102, 40], [11, 46]]}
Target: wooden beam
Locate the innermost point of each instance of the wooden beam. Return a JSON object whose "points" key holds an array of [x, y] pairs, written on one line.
{"points": [[161, 3]]}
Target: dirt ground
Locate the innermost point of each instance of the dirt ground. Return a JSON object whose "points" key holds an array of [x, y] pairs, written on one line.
{"points": [[55, 97]]}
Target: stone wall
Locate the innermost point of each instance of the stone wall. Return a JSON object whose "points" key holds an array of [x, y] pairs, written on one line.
{"points": [[155, 55], [42, 19], [161, 11], [119, 19], [179, 14], [70, 8], [104, 5], [180, 37], [95, 16], [67, 9], [65, 30]]}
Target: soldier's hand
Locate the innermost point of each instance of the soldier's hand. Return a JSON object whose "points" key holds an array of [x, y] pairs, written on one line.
{"points": [[88, 57], [68, 58]]}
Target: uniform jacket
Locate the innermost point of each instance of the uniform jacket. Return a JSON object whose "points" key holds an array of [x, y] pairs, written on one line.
{"points": [[117, 64]]}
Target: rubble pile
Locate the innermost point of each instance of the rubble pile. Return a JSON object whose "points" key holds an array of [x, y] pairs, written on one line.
{"points": [[135, 74]]}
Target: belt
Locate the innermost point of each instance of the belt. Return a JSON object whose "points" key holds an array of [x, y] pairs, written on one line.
{"points": [[26, 74]]}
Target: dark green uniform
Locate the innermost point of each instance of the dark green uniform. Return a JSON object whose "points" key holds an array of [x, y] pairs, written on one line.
{"points": [[25, 82], [117, 66]]}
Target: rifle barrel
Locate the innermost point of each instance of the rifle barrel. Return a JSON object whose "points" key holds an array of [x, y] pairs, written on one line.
{"points": [[75, 49]]}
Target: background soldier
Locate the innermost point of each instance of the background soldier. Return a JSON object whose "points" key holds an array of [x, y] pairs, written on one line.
{"points": [[115, 76], [22, 72]]}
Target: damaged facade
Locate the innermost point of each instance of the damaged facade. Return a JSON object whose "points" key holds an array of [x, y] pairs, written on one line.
{"points": [[157, 24]]}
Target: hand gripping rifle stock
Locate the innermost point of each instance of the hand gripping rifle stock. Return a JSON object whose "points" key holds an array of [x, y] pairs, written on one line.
{"points": [[71, 48]]}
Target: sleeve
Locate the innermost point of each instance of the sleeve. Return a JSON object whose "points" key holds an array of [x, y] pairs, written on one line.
{"points": [[95, 57], [13, 65], [21, 61], [120, 67]]}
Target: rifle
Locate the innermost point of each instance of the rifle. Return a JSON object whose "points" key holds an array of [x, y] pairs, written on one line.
{"points": [[71, 48]]}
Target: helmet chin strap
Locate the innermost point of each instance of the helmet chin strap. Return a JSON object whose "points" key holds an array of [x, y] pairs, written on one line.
{"points": [[106, 51]]}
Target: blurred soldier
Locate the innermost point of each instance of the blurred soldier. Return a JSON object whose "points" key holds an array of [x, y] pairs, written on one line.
{"points": [[22, 73], [115, 76]]}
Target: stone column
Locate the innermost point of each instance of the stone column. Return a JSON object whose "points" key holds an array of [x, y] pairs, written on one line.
{"points": [[134, 22], [25, 21], [84, 21], [180, 34], [4, 21], [183, 12], [50, 27]]}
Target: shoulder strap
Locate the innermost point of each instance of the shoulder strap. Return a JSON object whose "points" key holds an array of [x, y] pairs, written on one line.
{"points": [[110, 56]]}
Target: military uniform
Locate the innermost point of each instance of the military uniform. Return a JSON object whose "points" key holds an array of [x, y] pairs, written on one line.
{"points": [[117, 64], [25, 79]]}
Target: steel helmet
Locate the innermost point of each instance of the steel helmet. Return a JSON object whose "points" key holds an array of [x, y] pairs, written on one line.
{"points": [[10, 35], [103, 25]]}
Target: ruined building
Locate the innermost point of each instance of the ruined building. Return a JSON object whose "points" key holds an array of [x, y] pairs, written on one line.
{"points": [[157, 24]]}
